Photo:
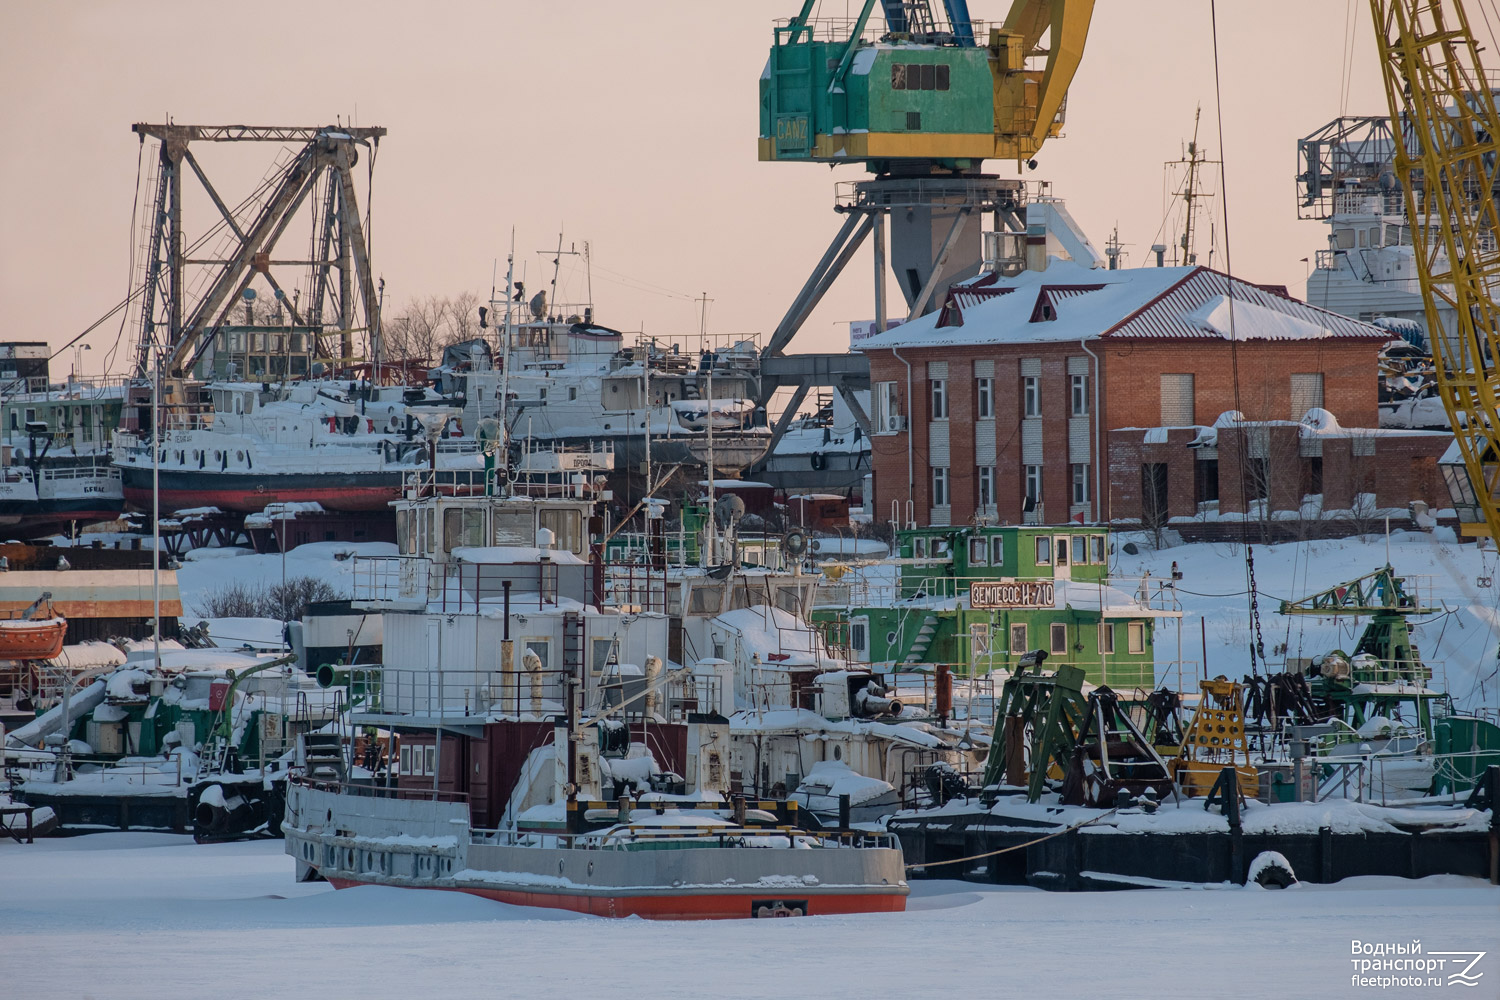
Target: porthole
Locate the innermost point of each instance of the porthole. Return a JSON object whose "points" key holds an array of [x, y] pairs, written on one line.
{"points": [[239, 455]]}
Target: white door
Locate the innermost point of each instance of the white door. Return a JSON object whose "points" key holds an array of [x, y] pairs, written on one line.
{"points": [[1062, 565]]}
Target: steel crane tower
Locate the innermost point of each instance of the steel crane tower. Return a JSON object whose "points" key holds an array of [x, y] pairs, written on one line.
{"points": [[1441, 100]]}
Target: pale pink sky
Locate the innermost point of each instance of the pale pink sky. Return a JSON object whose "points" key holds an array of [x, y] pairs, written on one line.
{"points": [[632, 126]]}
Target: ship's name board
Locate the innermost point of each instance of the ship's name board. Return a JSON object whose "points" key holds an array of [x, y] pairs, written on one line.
{"points": [[1011, 594]]}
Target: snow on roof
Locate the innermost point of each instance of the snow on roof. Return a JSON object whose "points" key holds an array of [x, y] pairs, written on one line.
{"points": [[1068, 302], [512, 554]]}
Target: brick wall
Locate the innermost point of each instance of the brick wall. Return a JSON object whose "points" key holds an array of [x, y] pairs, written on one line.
{"points": [[1132, 382], [1130, 397]]}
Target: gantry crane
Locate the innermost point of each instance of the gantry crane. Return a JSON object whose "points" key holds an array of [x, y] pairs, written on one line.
{"points": [[1441, 101], [180, 317]]}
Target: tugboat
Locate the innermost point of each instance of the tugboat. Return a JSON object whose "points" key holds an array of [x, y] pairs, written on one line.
{"points": [[587, 776]]}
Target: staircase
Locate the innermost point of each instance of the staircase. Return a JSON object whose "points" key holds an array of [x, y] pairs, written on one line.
{"points": [[323, 756], [923, 642]]}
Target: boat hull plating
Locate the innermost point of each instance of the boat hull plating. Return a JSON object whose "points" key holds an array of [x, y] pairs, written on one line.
{"points": [[366, 837], [708, 906], [250, 494]]}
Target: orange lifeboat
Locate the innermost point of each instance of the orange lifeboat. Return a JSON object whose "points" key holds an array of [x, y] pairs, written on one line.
{"points": [[25, 635]]}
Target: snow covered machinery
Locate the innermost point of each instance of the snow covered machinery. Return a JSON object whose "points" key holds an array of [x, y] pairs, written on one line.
{"points": [[1047, 729], [1214, 740]]}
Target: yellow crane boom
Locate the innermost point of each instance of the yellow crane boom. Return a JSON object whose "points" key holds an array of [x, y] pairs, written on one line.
{"points": [[1447, 133]]}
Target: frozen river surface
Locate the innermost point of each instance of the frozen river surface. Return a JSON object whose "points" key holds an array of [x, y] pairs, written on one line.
{"points": [[151, 915]]}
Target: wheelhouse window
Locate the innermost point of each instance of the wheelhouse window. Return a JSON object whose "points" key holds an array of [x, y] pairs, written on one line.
{"points": [[1018, 639], [1043, 550], [1137, 637], [1059, 637]]}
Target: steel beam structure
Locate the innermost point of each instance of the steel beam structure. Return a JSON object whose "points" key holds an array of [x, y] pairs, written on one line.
{"points": [[184, 325]]}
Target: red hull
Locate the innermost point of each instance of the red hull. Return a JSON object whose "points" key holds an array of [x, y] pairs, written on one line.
{"points": [[244, 502], [717, 906]]}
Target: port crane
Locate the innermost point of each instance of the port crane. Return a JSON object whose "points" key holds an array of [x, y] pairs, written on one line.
{"points": [[1442, 103], [920, 105]]}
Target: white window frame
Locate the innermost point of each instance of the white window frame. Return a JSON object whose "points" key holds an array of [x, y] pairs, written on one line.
{"points": [[1136, 637], [986, 480], [1080, 472], [937, 394], [979, 551], [887, 406], [1079, 385], [984, 398], [1031, 396], [1033, 477], [941, 487], [997, 550]]}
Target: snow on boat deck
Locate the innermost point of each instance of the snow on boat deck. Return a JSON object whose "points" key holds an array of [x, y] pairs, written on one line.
{"points": [[123, 915]]}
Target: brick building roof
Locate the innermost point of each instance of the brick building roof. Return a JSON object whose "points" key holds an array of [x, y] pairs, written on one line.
{"points": [[1068, 302]]}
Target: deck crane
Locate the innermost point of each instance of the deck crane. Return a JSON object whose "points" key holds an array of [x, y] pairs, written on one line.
{"points": [[921, 105], [1440, 98]]}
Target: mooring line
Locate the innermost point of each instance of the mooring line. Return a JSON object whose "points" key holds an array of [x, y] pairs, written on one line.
{"points": [[1017, 847]]}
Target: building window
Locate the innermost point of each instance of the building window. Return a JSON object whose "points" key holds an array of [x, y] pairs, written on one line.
{"points": [[1031, 396], [1044, 550], [1307, 393], [1137, 636], [984, 398], [1177, 400], [1059, 637], [1033, 486], [888, 418], [986, 487], [1080, 395], [1080, 482], [1018, 639], [939, 487], [1206, 480], [938, 388], [1106, 637], [979, 551]]}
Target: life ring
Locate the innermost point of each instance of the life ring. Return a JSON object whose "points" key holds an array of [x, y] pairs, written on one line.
{"points": [[819, 461]]}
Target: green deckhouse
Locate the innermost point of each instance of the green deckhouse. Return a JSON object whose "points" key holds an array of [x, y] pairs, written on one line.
{"points": [[979, 598]]}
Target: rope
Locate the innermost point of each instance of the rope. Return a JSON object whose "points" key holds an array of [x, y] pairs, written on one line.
{"points": [[1017, 847]]}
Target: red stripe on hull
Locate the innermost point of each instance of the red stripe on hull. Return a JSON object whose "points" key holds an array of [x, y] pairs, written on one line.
{"points": [[243, 502], [709, 906]]}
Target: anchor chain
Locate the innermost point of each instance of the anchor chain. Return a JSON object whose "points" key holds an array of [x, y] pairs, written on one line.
{"points": [[1258, 647]]}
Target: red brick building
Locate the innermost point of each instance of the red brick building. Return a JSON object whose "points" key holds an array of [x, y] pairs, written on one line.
{"points": [[1002, 402]]}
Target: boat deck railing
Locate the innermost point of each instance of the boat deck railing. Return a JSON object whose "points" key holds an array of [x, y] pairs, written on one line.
{"points": [[633, 836], [458, 697]]}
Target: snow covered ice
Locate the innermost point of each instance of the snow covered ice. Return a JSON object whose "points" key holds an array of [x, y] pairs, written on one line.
{"points": [[125, 915]]}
